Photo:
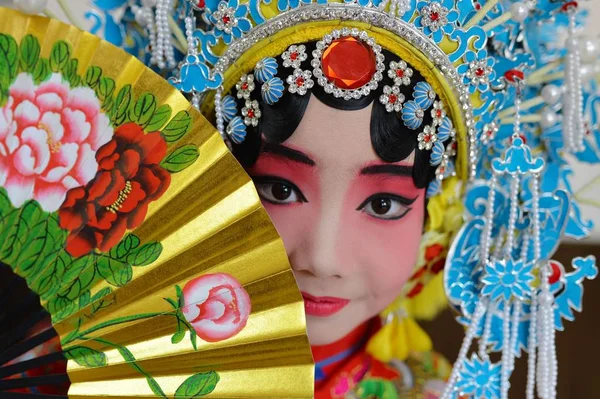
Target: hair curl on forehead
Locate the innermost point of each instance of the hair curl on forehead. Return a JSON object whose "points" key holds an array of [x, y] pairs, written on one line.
{"points": [[392, 141]]}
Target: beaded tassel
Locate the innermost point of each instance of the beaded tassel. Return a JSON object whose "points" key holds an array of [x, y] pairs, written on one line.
{"points": [[574, 124]]}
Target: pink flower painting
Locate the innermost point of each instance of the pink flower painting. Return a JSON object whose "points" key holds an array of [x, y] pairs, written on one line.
{"points": [[49, 135], [216, 306]]}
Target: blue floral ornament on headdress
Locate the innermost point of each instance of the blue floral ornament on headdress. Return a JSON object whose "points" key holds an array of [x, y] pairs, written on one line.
{"points": [[507, 279], [424, 95], [229, 20], [478, 71], [480, 379], [272, 90], [412, 115], [236, 130], [229, 106], [266, 69], [436, 18]]}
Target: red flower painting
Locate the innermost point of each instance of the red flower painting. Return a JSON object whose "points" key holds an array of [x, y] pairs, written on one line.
{"points": [[129, 178]]}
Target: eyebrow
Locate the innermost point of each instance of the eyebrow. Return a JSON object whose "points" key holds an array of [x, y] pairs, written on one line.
{"points": [[286, 152], [394, 170]]}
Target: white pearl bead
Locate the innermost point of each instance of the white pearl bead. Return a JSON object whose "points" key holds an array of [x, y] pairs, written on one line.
{"points": [[551, 94], [589, 50], [586, 71], [549, 118], [519, 11], [572, 44], [31, 6]]}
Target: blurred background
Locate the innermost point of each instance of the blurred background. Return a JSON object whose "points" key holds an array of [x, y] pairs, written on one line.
{"points": [[579, 345]]}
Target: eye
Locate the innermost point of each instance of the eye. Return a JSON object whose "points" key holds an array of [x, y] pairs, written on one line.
{"points": [[386, 206], [278, 191]]}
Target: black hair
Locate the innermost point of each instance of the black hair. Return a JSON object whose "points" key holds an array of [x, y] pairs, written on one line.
{"points": [[390, 138]]}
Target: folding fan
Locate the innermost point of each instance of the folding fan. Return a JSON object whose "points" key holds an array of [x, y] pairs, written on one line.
{"points": [[133, 246]]}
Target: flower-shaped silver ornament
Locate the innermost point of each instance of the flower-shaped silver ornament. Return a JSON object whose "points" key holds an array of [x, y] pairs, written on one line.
{"points": [[300, 82], [251, 113], [401, 73], [427, 138], [392, 98], [294, 56], [245, 86]]}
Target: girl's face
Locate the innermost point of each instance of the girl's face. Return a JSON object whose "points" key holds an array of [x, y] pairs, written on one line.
{"points": [[351, 223]]}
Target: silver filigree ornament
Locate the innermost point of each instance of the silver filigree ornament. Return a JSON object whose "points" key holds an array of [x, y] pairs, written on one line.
{"points": [[479, 72], [300, 82], [392, 98], [245, 86], [401, 73], [438, 113], [294, 56], [251, 113], [427, 138], [376, 18], [329, 87], [434, 16], [224, 17]]}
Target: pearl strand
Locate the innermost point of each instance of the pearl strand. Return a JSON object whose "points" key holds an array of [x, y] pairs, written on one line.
{"points": [[546, 358], [165, 55], [487, 332], [464, 349], [516, 316], [145, 18], [219, 114], [532, 348], [190, 24], [489, 220], [505, 371], [573, 110], [512, 219]]}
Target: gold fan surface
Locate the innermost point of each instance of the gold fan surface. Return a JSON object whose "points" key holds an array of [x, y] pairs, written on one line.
{"points": [[117, 279]]}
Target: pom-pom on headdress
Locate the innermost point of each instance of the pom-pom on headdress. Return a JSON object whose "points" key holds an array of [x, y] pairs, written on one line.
{"points": [[508, 99]]}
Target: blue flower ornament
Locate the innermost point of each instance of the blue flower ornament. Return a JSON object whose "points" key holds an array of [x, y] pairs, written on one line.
{"points": [[230, 20], [436, 18]]}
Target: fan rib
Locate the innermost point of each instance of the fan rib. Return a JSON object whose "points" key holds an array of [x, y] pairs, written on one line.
{"points": [[31, 364], [26, 345], [31, 382]]}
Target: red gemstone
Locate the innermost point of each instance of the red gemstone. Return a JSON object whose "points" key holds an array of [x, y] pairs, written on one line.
{"points": [[226, 19], [514, 75], [477, 6], [201, 3], [479, 72], [427, 138], [439, 113], [556, 272], [244, 86], [393, 98], [293, 56], [490, 133], [400, 73], [250, 113], [300, 81], [571, 4], [434, 16], [348, 63]]}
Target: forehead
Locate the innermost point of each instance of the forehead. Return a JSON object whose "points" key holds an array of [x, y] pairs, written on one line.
{"points": [[337, 138]]}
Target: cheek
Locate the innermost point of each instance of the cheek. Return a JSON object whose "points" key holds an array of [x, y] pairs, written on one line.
{"points": [[384, 253]]}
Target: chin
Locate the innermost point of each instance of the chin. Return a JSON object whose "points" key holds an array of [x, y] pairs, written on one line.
{"points": [[326, 330]]}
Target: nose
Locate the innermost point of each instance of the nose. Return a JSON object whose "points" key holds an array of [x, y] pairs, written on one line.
{"points": [[322, 254]]}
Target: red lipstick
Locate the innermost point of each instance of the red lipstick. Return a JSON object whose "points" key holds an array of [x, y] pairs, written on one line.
{"points": [[323, 306]]}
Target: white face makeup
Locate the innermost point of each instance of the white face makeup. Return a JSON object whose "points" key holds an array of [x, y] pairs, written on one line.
{"points": [[351, 223]]}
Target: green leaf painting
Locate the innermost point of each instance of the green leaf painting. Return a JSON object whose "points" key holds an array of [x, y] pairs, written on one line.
{"points": [[177, 127], [197, 385], [87, 357], [29, 53], [59, 56], [33, 243], [181, 158]]}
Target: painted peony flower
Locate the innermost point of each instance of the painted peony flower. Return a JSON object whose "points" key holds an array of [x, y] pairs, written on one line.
{"points": [[117, 199], [49, 135], [216, 305]]}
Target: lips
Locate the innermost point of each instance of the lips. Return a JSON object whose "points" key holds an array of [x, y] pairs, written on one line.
{"points": [[323, 306]]}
